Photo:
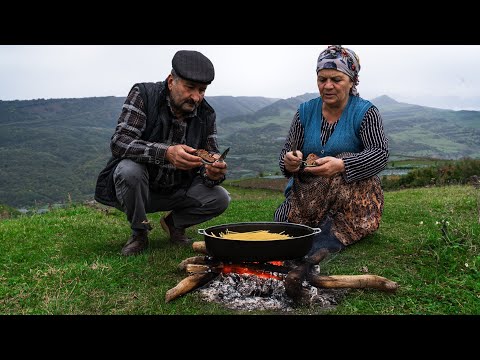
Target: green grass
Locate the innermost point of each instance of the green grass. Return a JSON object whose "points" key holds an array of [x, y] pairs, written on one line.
{"points": [[68, 261]]}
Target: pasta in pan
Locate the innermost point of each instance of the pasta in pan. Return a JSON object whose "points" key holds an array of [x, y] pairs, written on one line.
{"points": [[258, 235]]}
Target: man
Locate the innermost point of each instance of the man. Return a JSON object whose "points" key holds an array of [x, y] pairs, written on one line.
{"points": [[153, 166]]}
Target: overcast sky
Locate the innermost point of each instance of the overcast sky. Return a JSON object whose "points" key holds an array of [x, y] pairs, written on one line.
{"points": [[417, 74]]}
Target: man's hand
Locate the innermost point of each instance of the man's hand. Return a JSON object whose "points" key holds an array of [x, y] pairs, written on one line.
{"points": [[181, 157], [217, 170]]}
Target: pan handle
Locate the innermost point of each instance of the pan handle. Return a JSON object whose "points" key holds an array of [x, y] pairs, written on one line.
{"points": [[316, 231], [201, 231]]}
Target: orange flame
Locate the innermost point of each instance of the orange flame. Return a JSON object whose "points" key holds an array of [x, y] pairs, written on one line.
{"points": [[245, 269], [278, 263]]}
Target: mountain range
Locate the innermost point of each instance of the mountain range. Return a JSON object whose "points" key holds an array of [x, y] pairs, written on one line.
{"points": [[52, 150]]}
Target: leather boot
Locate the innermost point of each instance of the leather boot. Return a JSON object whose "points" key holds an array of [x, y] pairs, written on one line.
{"points": [[136, 244], [177, 235]]}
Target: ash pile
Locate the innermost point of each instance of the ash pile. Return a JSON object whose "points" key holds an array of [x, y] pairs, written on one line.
{"points": [[247, 292]]}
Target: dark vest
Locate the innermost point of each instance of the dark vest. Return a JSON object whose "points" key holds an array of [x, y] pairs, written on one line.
{"points": [[157, 128]]}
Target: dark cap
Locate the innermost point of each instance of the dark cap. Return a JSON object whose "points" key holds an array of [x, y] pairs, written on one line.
{"points": [[194, 66]]}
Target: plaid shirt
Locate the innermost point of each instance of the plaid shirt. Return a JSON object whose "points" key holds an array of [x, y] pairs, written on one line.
{"points": [[126, 142]]}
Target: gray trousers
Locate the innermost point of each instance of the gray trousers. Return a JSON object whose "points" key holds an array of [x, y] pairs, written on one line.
{"points": [[191, 206]]}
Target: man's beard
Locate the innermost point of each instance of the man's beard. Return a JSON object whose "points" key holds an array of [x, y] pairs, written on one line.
{"points": [[180, 108]]}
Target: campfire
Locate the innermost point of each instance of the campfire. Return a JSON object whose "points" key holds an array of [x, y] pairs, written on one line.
{"points": [[279, 285]]}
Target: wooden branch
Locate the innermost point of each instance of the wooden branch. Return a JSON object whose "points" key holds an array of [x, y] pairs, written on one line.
{"points": [[197, 268], [192, 260], [295, 277], [202, 269], [188, 284], [294, 280], [317, 256], [353, 282], [199, 247]]}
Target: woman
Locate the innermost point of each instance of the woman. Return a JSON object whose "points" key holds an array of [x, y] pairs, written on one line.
{"points": [[341, 194]]}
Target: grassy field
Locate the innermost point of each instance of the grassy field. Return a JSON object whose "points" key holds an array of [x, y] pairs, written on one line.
{"points": [[68, 261]]}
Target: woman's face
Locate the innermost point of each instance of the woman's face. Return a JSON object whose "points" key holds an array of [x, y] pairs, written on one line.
{"points": [[334, 87]]}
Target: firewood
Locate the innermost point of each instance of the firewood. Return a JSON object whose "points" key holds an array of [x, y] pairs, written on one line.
{"points": [[317, 256], [200, 247], [295, 277], [201, 269], [188, 284], [293, 283], [353, 282], [192, 260]]}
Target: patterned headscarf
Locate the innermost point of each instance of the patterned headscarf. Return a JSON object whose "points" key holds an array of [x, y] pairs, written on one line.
{"points": [[342, 59]]}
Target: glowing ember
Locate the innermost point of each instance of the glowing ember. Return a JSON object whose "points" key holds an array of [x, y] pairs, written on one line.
{"points": [[248, 293], [277, 263], [259, 270]]}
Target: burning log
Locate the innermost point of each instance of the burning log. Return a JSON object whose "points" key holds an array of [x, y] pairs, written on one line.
{"points": [[293, 284], [260, 270], [188, 284], [198, 268], [317, 257], [353, 282], [295, 277], [200, 247], [203, 269], [192, 260]]}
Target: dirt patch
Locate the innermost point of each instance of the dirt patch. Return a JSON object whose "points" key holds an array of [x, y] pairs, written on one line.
{"points": [[7, 212], [261, 183]]}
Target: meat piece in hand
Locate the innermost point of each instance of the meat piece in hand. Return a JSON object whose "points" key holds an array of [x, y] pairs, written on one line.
{"points": [[311, 159], [205, 155]]}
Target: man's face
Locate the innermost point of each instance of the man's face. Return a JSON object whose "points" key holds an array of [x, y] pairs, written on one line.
{"points": [[185, 95]]}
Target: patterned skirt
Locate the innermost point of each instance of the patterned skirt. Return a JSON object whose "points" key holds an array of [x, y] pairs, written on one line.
{"points": [[355, 208]]}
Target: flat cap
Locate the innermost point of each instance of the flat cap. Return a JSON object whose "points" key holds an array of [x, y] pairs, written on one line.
{"points": [[194, 66]]}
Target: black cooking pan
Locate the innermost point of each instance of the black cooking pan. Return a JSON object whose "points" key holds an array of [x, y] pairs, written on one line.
{"points": [[296, 247]]}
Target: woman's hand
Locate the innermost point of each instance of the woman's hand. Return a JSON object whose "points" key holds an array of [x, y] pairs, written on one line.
{"points": [[291, 162], [327, 166]]}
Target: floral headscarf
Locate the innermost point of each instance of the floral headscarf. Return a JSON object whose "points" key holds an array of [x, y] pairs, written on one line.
{"points": [[342, 59]]}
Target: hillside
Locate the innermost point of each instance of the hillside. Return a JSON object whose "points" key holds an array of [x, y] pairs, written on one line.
{"points": [[52, 150], [413, 131], [429, 132], [256, 139], [228, 106]]}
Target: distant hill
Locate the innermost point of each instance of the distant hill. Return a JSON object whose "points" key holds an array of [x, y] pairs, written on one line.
{"points": [[416, 130], [384, 101], [256, 139], [227, 106], [51, 150], [413, 130]]}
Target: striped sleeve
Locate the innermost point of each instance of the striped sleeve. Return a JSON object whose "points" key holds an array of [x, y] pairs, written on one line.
{"points": [[295, 135], [371, 161], [374, 156]]}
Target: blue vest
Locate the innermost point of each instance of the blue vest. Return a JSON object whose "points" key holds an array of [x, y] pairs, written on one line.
{"points": [[345, 138]]}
